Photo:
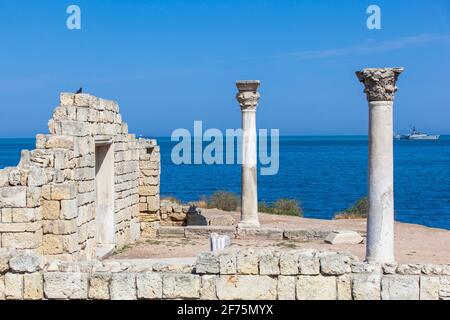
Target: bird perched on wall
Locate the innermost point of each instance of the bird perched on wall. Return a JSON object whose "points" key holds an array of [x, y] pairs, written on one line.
{"points": [[79, 91]]}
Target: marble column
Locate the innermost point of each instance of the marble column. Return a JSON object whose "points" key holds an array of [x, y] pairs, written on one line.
{"points": [[380, 87], [248, 97]]}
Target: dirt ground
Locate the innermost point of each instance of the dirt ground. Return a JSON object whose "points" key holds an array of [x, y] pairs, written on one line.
{"points": [[413, 243]]}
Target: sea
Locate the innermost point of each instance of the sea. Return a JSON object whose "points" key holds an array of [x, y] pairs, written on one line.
{"points": [[325, 174]]}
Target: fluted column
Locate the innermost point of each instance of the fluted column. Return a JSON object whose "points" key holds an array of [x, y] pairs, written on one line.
{"points": [[248, 98], [380, 87]]}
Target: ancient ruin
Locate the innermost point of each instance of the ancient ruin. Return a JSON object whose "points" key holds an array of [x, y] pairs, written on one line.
{"points": [[91, 188]]}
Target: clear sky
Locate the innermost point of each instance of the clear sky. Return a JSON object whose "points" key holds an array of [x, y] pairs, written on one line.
{"points": [[169, 63]]}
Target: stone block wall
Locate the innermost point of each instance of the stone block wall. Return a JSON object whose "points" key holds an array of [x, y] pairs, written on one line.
{"points": [[48, 202], [267, 274]]}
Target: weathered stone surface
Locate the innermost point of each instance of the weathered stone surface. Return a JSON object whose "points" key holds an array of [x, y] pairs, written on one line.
{"points": [[60, 142], [316, 288], [99, 286], [64, 191], [303, 235], [380, 83], [343, 237], [289, 262], [344, 287], [444, 291], [269, 263], [22, 240], [26, 262], [123, 286], [400, 288], [286, 287], [181, 286], [308, 262], [366, 287], [149, 285], [36, 177], [246, 287], [33, 286], [4, 262], [171, 232], [260, 233], [409, 269], [13, 197], [65, 285], [247, 262], [365, 267], [13, 286], [69, 209], [227, 263], [336, 264], [208, 288], [207, 263], [429, 288]]}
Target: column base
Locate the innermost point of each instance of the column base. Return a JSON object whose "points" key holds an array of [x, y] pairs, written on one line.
{"points": [[248, 224]]}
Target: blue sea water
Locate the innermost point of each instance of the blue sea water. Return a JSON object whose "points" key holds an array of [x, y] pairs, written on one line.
{"points": [[326, 174]]}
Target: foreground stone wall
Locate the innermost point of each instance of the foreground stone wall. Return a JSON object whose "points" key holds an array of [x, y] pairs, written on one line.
{"points": [[48, 203], [229, 275]]}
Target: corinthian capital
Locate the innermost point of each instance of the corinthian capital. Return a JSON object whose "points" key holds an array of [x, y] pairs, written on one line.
{"points": [[248, 96], [379, 83]]}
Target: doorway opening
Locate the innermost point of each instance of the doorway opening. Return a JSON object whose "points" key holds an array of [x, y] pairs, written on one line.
{"points": [[104, 209]]}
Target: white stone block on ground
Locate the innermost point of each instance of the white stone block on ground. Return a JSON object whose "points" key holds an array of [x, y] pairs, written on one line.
{"points": [[344, 237]]}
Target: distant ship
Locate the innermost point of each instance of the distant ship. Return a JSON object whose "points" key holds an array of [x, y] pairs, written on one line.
{"points": [[416, 135]]}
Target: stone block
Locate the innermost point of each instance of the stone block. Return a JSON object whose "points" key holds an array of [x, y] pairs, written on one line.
{"points": [[429, 288], [398, 287], [316, 288], [181, 286], [148, 190], [409, 269], [203, 232], [170, 232], [52, 244], [366, 287], [67, 99], [6, 215], [444, 290], [33, 286], [344, 237], [208, 288], [149, 285], [207, 263], [308, 262], [289, 262], [286, 287], [227, 263], [269, 263], [64, 191], [60, 142], [69, 209], [36, 177], [22, 240], [13, 286], [123, 286], [304, 235], [344, 287], [99, 286], [26, 215], [33, 197], [26, 261], [260, 233], [246, 287], [13, 197], [4, 262], [336, 263], [247, 262]]}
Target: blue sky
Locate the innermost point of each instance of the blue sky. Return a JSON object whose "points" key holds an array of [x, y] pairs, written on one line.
{"points": [[169, 63]]}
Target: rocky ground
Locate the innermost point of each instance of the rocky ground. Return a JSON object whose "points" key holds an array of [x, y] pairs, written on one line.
{"points": [[413, 243]]}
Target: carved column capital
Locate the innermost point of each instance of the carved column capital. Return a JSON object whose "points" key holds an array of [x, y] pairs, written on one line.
{"points": [[379, 83], [248, 96]]}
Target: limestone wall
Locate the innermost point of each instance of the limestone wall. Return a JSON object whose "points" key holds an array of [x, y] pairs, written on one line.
{"points": [[229, 275], [48, 203]]}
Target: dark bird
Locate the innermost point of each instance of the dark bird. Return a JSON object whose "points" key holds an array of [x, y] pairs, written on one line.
{"points": [[79, 91]]}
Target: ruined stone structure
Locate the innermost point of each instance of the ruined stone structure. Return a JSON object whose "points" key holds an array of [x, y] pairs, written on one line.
{"points": [[81, 192], [268, 274]]}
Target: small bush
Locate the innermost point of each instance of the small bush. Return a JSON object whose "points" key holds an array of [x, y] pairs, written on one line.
{"points": [[223, 200], [359, 210], [285, 207]]}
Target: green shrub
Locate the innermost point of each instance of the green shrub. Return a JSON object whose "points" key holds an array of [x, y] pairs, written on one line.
{"points": [[285, 207], [223, 200], [359, 210]]}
